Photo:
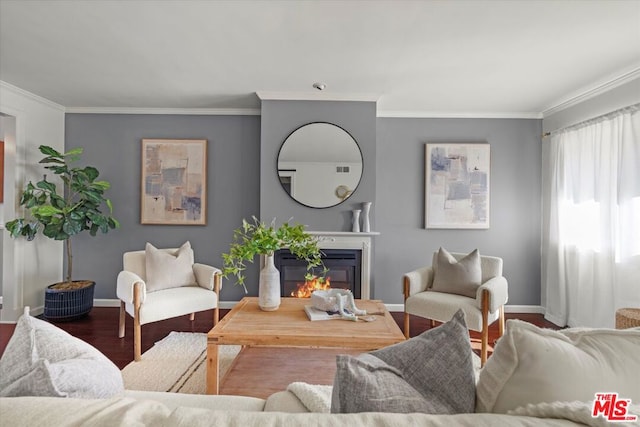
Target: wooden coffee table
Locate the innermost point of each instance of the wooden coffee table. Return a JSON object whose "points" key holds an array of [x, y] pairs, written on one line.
{"points": [[289, 326]]}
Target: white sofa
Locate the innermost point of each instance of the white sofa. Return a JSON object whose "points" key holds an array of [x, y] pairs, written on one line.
{"points": [[535, 377], [167, 409]]}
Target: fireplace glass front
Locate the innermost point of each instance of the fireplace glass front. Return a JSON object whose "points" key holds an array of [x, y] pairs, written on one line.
{"points": [[344, 270]]}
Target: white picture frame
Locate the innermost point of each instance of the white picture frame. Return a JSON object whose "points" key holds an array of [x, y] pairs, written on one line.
{"points": [[457, 185]]}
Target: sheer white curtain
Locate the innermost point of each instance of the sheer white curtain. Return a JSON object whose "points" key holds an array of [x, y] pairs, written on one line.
{"points": [[591, 220]]}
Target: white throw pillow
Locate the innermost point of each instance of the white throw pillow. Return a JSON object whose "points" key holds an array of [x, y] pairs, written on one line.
{"points": [[461, 277], [43, 360], [532, 365], [166, 269]]}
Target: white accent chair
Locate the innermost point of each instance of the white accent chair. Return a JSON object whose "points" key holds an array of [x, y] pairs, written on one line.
{"points": [[480, 312], [147, 307]]}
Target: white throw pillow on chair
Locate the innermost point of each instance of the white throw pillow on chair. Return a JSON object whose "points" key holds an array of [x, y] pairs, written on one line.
{"points": [[169, 270]]}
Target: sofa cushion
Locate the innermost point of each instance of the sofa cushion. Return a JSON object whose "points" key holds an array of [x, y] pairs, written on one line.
{"points": [[531, 365], [431, 373], [174, 400], [461, 277], [43, 360], [169, 269]]}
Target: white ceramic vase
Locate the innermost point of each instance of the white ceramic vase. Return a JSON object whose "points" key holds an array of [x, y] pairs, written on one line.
{"points": [[366, 225], [269, 286]]}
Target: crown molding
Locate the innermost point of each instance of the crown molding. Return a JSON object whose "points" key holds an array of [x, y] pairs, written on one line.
{"points": [[32, 96], [458, 115], [592, 91], [317, 96], [166, 111]]}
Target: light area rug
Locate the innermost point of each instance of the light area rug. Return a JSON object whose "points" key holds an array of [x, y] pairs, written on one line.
{"points": [[177, 364]]}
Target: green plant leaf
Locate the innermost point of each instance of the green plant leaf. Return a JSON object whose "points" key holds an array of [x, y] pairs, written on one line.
{"points": [[45, 185], [46, 210], [74, 152], [44, 149], [91, 173], [71, 227], [102, 185], [47, 160], [54, 231]]}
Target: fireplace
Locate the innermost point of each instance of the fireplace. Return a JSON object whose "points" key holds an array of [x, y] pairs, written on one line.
{"points": [[344, 270]]}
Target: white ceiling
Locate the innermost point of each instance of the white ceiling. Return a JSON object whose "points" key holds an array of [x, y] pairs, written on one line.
{"points": [[484, 58]]}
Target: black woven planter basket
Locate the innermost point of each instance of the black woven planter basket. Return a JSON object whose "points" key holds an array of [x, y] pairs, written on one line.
{"points": [[68, 304]]}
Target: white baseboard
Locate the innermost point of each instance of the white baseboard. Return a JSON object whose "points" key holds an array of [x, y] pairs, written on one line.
{"points": [[535, 309], [106, 303], [394, 307]]}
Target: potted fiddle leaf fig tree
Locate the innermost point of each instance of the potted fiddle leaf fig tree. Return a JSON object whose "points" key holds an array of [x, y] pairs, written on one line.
{"points": [[257, 238], [61, 215]]}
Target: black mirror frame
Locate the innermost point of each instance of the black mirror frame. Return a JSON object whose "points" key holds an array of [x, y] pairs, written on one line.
{"points": [[352, 191]]}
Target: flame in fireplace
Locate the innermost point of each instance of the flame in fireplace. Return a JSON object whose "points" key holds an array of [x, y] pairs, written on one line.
{"points": [[314, 283]]}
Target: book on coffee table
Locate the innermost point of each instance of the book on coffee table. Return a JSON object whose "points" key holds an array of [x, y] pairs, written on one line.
{"points": [[317, 314]]}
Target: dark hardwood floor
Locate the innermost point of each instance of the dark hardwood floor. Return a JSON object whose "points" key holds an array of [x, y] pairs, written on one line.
{"points": [[100, 329]]}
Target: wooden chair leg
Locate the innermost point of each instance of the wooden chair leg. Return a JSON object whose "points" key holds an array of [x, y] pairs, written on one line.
{"points": [[192, 317], [405, 292], [485, 327], [137, 339], [121, 325], [501, 320], [433, 323], [406, 325], [137, 344], [217, 283]]}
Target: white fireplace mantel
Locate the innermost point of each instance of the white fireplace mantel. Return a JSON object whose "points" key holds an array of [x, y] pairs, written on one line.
{"points": [[350, 240]]}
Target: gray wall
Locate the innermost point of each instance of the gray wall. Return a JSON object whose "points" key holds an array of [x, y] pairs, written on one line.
{"points": [[243, 181], [514, 233], [112, 143]]}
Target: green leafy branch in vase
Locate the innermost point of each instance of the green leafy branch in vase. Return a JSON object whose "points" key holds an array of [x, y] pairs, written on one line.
{"points": [[257, 238]]}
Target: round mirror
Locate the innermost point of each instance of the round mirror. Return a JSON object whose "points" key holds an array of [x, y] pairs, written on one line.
{"points": [[320, 165]]}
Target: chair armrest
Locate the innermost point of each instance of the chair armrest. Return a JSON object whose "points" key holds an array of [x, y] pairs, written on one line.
{"points": [[498, 293], [205, 276], [419, 280], [126, 283]]}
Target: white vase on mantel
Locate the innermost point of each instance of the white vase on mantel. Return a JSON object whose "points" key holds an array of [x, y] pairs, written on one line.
{"points": [[355, 221], [269, 286], [366, 225]]}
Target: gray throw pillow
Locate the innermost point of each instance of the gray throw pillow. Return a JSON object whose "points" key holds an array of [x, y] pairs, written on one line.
{"points": [[43, 360], [431, 373], [461, 277]]}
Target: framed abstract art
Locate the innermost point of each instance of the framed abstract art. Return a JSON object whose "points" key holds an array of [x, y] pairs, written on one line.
{"points": [[457, 185], [174, 181]]}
